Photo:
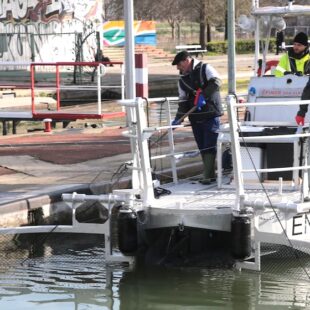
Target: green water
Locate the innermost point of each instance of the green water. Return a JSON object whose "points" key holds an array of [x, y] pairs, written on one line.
{"points": [[62, 275]]}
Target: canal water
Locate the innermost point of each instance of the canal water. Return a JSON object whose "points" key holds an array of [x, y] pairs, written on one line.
{"points": [[68, 272]]}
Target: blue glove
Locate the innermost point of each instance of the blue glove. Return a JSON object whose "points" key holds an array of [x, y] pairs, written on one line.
{"points": [[175, 122], [201, 102]]}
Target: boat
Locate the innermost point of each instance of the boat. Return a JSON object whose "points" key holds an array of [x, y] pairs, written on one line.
{"points": [[264, 86], [256, 209]]}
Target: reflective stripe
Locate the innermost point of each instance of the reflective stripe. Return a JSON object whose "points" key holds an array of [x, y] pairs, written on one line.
{"points": [[279, 68]]}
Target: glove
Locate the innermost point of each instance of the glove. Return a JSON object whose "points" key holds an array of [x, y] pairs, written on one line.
{"points": [[287, 72], [175, 122], [300, 120], [201, 102]]}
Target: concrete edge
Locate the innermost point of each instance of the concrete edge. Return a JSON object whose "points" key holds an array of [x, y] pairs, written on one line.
{"points": [[20, 212]]}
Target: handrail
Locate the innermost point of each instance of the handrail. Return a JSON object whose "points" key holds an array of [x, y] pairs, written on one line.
{"points": [[276, 169], [235, 131], [237, 138], [59, 86], [147, 131], [293, 137], [271, 103]]}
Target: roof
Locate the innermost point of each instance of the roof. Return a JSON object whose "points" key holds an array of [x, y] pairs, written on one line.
{"points": [[291, 10]]}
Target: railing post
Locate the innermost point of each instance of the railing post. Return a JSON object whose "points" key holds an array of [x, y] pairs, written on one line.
{"points": [[171, 145], [236, 155], [100, 67], [57, 87], [145, 166], [305, 172], [32, 71], [123, 82]]}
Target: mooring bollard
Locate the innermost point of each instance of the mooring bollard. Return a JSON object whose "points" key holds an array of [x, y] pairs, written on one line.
{"points": [[47, 123]]}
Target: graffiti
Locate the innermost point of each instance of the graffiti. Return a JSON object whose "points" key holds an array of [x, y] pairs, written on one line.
{"points": [[46, 30], [32, 43], [114, 33], [44, 11]]}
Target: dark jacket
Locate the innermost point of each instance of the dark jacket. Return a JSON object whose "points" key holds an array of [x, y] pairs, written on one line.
{"points": [[189, 83], [303, 108], [280, 37]]}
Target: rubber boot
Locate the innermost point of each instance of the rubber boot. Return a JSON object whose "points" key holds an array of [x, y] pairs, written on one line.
{"points": [[208, 171]]}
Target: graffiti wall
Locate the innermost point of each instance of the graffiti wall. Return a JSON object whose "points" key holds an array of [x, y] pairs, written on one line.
{"points": [[48, 30], [114, 33]]}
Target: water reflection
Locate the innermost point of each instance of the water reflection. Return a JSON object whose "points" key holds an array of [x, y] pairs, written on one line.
{"points": [[74, 276], [209, 289]]}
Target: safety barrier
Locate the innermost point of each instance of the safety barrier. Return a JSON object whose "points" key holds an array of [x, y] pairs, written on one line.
{"points": [[39, 90], [101, 71], [236, 135]]}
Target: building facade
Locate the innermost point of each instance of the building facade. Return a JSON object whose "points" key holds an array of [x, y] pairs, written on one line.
{"points": [[49, 30]]}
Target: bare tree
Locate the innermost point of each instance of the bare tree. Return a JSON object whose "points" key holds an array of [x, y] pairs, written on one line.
{"points": [[112, 9], [207, 13], [145, 9], [174, 12]]}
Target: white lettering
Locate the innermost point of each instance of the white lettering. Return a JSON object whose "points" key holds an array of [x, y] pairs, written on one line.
{"points": [[53, 7], [16, 9], [21, 8], [6, 8]]}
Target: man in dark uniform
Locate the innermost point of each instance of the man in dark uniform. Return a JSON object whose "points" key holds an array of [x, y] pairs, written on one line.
{"points": [[198, 79], [303, 108], [300, 120]]}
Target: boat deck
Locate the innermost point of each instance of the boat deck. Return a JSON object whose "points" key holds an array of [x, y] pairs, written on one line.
{"points": [[205, 206]]}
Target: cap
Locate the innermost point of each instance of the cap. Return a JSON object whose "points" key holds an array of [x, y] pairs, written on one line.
{"points": [[301, 38], [180, 56]]}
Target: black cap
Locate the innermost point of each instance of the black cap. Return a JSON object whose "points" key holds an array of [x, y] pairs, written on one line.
{"points": [[301, 38], [180, 56]]}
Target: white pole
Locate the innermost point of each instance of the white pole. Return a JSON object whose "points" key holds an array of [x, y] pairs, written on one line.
{"points": [[266, 46], [257, 35], [236, 154], [123, 82], [171, 145], [231, 47], [146, 183], [130, 77]]}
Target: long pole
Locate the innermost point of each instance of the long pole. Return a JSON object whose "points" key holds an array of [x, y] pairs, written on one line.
{"points": [[231, 47], [130, 82], [130, 77], [180, 120]]}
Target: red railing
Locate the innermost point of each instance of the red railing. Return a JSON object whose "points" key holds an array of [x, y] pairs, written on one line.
{"points": [[70, 116]]}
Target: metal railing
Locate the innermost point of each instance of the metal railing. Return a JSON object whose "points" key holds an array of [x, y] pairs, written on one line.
{"points": [[58, 86], [235, 130]]}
